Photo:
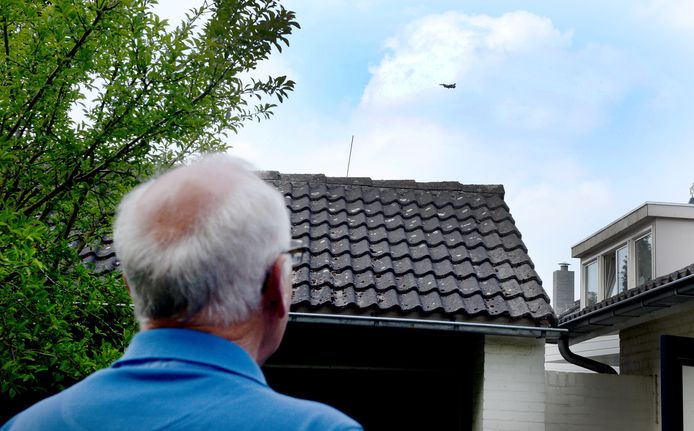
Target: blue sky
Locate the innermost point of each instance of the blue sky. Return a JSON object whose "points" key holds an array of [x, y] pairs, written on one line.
{"points": [[581, 109]]}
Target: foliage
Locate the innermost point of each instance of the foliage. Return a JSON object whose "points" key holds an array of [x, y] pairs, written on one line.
{"points": [[56, 327], [94, 96]]}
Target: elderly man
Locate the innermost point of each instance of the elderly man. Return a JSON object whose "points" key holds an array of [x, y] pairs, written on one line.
{"points": [[205, 251]]}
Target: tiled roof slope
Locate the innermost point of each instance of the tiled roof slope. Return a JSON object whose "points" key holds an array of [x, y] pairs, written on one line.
{"points": [[409, 248], [664, 282], [441, 249]]}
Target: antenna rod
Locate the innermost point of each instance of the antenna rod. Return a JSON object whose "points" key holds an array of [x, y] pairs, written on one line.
{"points": [[350, 155]]}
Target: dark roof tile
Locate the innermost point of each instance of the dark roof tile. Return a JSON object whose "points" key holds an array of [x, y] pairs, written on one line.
{"points": [[517, 306], [509, 242], [485, 270], [102, 258], [496, 305], [490, 288], [437, 252], [386, 281], [511, 288], [443, 268], [427, 283], [464, 269], [469, 286], [447, 284], [473, 305]]}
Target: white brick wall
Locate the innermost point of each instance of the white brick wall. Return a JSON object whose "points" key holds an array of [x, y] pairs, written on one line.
{"points": [[586, 402], [511, 385], [640, 345]]}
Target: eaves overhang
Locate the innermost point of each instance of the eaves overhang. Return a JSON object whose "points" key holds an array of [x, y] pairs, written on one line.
{"points": [[631, 220], [551, 334], [632, 307]]}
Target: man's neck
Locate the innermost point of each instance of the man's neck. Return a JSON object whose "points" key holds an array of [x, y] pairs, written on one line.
{"points": [[241, 334]]}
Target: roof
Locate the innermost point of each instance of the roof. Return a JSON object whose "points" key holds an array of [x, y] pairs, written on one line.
{"points": [[613, 313], [571, 310], [632, 219], [102, 257], [440, 250]]}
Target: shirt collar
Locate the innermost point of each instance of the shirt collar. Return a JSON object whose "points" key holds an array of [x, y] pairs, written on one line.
{"points": [[191, 346]]}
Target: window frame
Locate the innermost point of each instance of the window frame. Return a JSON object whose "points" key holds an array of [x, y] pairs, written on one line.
{"points": [[611, 253], [636, 238], [584, 281]]}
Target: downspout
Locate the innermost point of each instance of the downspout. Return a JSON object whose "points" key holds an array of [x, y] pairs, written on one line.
{"points": [[581, 361]]}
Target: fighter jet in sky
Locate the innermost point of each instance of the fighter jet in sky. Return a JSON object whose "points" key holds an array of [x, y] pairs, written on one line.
{"points": [[448, 85]]}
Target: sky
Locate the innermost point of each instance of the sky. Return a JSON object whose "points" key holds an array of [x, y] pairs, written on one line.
{"points": [[582, 110]]}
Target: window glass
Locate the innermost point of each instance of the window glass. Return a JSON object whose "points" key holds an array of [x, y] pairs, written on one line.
{"points": [[591, 277], [616, 264], [622, 259], [609, 263], [642, 248]]}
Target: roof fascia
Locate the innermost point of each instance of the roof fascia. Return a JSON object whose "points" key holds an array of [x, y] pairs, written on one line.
{"points": [[470, 327], [632, 219], [631, 311]]}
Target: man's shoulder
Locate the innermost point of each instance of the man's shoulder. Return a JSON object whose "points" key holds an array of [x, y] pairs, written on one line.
{"points": [[118, 398], [43, 415], [266, 410], [295, 413]]}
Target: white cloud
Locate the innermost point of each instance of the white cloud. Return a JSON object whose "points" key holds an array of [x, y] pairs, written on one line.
{"points": [[517, 70], [444, 48], [274, 66], [175, 10], [400, 148], [556, 214], [384, 147], [673, 15]]}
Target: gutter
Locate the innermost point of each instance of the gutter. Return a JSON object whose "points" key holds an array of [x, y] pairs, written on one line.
{"points": [[627, 301], [558, 334], [394, 322]]}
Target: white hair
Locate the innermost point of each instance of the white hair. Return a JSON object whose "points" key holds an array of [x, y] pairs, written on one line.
{"points": [[213, 265]]}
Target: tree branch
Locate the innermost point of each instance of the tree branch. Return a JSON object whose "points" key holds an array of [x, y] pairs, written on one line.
{"points": [[71, 177], [76, 206], [64, 63], [5, 38], [107, 94]]}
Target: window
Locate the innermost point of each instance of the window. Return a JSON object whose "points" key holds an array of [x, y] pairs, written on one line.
{"points": [[623, 267], [616, 264], [591, 277], [642, 248]]}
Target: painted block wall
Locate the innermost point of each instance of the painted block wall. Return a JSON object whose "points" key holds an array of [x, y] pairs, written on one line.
{"points": [[587, 402], [640, 344], [604, 349], [674, 245], [511, 385]]}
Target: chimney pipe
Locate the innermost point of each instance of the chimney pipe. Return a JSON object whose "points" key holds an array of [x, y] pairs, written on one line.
{"points": [[563, 288]]}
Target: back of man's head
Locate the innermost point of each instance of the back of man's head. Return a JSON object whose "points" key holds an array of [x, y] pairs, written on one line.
{"points": [[197, 242]]}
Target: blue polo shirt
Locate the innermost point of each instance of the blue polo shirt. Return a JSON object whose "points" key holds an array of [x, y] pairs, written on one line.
{"points": [[178, 379]]}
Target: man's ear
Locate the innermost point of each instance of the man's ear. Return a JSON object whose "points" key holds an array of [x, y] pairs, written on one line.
{"points": [[127, 285], [274, 291]]}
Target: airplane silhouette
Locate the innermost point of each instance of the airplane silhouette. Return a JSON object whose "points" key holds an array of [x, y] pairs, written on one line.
{"points": [[448, 85]]}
